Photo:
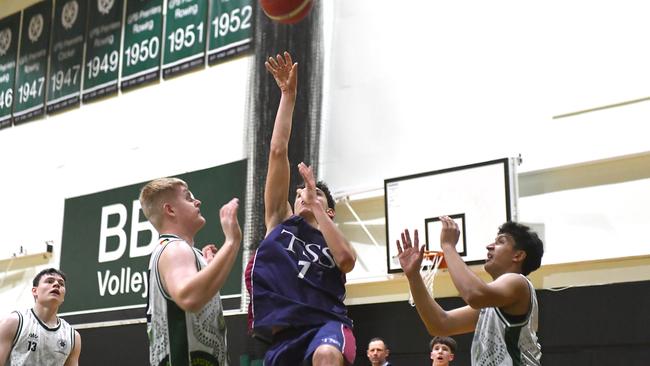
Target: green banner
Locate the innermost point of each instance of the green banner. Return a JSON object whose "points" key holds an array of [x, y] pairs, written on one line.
{"points": [[142, 43], [107, 241], [185, 35], [9, 31], [104, 34], [231, 29], [66, 59], [32, 62]]}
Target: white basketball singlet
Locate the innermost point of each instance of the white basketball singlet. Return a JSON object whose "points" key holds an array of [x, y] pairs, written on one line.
{"points": [[37, 344]]}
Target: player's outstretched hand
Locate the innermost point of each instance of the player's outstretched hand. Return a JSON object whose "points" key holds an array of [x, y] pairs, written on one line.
{"points": [[450, 232], [229, 222], [285, 72], [308, 194], [208, 252], [409, 253]]}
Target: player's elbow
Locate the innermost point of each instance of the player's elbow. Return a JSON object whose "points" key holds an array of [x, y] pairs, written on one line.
{"points": [[475, 299], [438, 332], [278, 149], [193, 307], [437, 328], [189, 304], [347, 265], [346, 261]]}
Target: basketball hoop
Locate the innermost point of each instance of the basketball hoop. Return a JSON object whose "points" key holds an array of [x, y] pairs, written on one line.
{"points": [[433, 260]]}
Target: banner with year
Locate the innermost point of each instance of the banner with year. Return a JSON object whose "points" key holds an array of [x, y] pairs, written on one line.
{"points": [[9, 30], [32, 62], [231, 29], [69, 27], [104, 34], [142, 43], [185, 36]]}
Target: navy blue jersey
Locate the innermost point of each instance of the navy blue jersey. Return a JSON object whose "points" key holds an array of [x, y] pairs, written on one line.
{"points": [[293, 280]]}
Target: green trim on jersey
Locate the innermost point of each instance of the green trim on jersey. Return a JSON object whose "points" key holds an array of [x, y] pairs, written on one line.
{"points": [[511, 337], [72, 339], [178, 344], [18, 330]]}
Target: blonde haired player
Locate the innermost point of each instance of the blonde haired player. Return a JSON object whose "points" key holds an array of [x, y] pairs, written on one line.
{"points": [[185, 319]]}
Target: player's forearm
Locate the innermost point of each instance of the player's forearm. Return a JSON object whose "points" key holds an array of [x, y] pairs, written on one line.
{"points": [[278, 171], [210, 280], [341, 249], [430, 312], [282, 126], [470, 287]]}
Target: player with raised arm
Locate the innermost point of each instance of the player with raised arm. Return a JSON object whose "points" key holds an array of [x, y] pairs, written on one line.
{"points": [[503, 313], [185, 319], [296, 279]]}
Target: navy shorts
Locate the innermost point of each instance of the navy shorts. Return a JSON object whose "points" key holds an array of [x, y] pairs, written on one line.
{"points": [[295, 346]]}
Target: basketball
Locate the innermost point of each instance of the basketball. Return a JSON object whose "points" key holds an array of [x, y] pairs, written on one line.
{"points": [[286, 11]]}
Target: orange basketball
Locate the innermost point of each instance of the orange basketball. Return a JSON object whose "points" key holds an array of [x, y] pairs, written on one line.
{"points": [[286, 11]]}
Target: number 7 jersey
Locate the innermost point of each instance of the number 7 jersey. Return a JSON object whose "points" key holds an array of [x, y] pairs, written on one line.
{"points": [[293, 280]]}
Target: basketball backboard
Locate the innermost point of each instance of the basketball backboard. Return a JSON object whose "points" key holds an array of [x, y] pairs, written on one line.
{"points": [[479, 197]]}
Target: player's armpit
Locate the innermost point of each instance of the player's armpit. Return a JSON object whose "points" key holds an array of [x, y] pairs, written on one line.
{"points": [[73, 358]]}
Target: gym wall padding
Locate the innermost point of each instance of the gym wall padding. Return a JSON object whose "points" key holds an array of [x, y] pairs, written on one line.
{"points": [[583, 326]]}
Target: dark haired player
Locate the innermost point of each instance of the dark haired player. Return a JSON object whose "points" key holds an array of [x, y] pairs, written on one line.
{"points": [[37, 336], [296, 279], [503, 313]]}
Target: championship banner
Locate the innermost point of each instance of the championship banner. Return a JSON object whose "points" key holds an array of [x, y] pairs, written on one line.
{"points": [[107, 241], [9, 32], [32, 62], [142, 43], [185, 35], [104, 34], [231, 32], [66, 57]]}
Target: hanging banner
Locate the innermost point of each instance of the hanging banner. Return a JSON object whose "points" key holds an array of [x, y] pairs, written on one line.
{"points": [[9, 31], [107, 241], [142, 43], [68, 27], [231, 29], [104, 34], [32, 62], [185, 36]]}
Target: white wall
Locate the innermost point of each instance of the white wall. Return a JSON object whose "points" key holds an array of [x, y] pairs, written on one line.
{"points": [[410, 86], [192, 122], [417, 86]]}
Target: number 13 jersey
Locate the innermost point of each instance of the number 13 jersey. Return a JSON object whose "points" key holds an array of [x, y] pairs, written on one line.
{"points": [[37, 344]]}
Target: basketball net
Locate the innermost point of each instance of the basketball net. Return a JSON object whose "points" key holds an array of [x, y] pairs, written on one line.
{"points": [[433, 260]]}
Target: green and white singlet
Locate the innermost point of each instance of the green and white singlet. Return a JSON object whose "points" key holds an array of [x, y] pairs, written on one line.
{"points": [[498, 342], [177, 337], [36, 344]]}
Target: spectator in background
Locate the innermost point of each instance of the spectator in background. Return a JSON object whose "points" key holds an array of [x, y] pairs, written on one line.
{"points": [[442, 350], [378, 352]]}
